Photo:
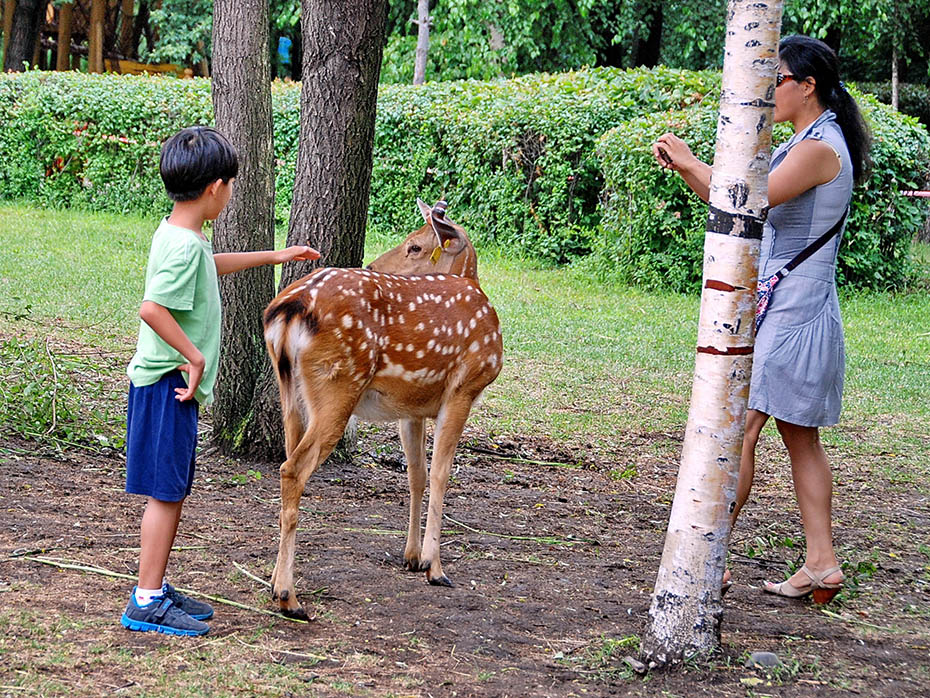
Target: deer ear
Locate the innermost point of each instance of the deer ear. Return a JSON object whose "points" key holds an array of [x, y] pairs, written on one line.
{"points": [[424, 209], [450, 239]]}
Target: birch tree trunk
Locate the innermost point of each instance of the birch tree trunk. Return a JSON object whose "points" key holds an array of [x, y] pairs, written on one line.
{"points": [[686, 607], [242, 104], [419, 66], [894, 78]]}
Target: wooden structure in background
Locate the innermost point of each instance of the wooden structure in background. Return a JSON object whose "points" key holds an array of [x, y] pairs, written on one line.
{"points": [[106, 33]]}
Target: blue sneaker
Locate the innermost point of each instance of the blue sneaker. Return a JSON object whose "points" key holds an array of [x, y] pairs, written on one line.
{"points": [[161, 615], [199, 610]]}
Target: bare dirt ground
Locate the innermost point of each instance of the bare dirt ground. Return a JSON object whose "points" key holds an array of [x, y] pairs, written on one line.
{"points": [[553, 558]]}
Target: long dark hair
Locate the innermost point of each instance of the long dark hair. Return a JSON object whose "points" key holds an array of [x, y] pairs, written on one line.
{"points": [[811, 58]]}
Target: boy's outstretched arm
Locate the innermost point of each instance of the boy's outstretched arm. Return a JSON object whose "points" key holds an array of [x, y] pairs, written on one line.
{"points": [[160, 319], [229, 262]]}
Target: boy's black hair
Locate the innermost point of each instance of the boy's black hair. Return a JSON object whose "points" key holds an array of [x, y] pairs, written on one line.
{"points": [[194, 158]]}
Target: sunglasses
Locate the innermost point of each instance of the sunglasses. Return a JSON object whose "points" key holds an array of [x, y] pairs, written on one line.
{"points": [[781, 77]]}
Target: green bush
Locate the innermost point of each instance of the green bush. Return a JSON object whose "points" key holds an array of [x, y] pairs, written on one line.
{"points": [[522, 162], [913, 99], [652, 227], [514, 157], [51, 397]]}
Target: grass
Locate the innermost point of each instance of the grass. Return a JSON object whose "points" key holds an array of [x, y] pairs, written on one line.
{"points": [[584, 360]]}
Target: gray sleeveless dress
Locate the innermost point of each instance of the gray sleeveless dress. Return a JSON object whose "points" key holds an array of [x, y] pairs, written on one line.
{"points": [[797, 372]]}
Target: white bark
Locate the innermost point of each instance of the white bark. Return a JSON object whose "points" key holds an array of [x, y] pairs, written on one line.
{"points": [[894, 78], [419, 66], [686, 607]]}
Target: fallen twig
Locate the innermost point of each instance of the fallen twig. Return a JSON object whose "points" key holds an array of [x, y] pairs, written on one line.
{"points": [[861, 622], [269, 650], [250, 575], [51, 360], [120, 575], [547, 540], [514, 459]]}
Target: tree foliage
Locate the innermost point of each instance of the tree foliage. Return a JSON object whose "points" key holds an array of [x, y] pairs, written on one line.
{"points": [[482, 40]]}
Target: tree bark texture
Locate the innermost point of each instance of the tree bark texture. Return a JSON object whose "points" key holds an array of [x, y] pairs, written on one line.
{"points": [[98, 14], [65, 15], [419, 65], [342, 47], [686, 606], [23, 33], [242, 105], [894, 78]]}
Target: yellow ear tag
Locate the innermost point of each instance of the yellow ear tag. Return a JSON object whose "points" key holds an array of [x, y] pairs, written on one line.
{"points": [[433, 258]]}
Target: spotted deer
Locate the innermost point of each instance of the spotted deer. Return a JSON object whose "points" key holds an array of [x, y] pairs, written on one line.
{"points": [[410, 337]]}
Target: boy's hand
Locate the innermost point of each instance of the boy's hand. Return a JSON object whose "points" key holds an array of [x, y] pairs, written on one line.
{"points": [[194, 371], [296, 253]]}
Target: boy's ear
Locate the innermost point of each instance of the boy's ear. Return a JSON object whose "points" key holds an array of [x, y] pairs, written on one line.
{"points": [[214, 187]]}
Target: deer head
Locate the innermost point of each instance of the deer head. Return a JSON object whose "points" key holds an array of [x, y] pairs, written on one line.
{"points": [[439, 247]]}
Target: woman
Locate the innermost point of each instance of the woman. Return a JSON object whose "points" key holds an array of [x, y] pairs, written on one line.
{"points": [[797, 374]]}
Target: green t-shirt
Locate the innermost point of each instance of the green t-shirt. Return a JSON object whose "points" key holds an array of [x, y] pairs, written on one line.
{"points": [[181, 276]]}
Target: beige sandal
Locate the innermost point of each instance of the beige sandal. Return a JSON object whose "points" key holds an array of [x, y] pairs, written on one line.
{"points": [[821, 590]]}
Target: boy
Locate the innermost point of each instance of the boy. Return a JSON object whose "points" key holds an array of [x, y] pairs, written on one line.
{"points": [[180, 332]]}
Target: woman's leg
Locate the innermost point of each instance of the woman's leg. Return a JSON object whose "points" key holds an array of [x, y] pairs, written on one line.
{"points": [[755, 420], [813, 485]]}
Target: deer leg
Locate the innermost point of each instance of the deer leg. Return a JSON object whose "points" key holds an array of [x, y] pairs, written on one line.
{"points": [[413, 438], [293, 425], [322, 435], [449, 425]]}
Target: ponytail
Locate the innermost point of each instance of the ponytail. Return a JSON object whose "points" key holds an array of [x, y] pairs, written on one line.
{"points": [[808, 57]]}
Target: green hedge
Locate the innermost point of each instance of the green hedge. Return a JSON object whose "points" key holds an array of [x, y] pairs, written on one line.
{"points": [[522, 162], [515, 157], [913, 99], [652, 227]]}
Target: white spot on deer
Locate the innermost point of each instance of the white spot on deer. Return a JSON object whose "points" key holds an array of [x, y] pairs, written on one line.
{"points": [[390, 321], [363, 346], [493, 359], [419, 300], [474, 346], [420, 327], [410, 347], [273, 334], [428, 277], [420, 354], [347, 321], [468, 298], [435, 331], [374, 315], [472, 323], [400, 319], [458, 327], [487, 338], [369, 333], [429, 345], [412, 306], [337, 333]]}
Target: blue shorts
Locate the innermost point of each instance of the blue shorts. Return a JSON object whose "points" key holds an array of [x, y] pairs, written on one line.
{"points": [[161, 439]]}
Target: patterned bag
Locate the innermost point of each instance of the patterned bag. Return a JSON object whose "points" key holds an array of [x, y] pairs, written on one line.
{"points": [[766, 287]]}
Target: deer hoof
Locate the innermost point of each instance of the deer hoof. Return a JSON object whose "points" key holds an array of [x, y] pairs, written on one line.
{"points": [[412, 565], [442, 581], [297, 613]]}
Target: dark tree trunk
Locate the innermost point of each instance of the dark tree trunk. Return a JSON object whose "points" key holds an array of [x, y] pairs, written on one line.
{"points": [[23, 36], [650, 48], [342, 47], [242, 104]]}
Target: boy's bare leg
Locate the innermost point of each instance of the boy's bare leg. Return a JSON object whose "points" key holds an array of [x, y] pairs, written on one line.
{"points": [[159, 527]]}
